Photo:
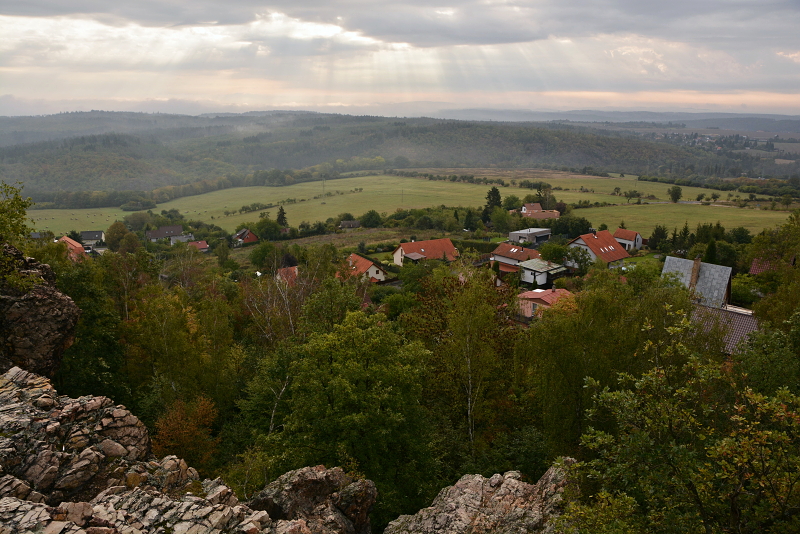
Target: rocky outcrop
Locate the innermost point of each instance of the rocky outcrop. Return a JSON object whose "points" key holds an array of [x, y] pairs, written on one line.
{"points": [[502, 504], [84, 466], [326, 499], [37, 323]]}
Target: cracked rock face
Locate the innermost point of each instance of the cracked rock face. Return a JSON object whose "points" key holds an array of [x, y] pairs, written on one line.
{"points": [[502, 504], [84, 466], [36, 326], [326, 499]]}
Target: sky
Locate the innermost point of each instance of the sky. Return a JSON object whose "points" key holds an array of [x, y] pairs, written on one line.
{"points": [[399, 57]]}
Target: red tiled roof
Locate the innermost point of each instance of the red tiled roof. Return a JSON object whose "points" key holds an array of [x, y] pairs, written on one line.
{"points": [[506, 268], [542, 297], [547, 296], [287, 275], [761, 266], [199, 245], [627, 235], [515, 252], [546, 214], [604, 246], [74, 249], [359, 265], [433, 249], [533, 206]]}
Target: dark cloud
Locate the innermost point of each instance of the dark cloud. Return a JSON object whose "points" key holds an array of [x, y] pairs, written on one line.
{"points": [[732, 24]]}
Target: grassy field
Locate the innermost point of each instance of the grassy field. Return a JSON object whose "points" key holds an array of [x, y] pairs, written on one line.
{"points": [[388, 193], [643, 218]]}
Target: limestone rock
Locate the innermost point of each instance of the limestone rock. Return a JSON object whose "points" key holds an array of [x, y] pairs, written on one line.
{"points": [[502, 504], [36, 326]]}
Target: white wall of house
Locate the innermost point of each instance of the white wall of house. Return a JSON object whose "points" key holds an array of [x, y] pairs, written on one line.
{"points": [[530, 277], [398, 256]]}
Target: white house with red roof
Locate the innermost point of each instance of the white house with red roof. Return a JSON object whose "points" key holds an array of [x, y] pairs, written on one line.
{"points": [[629, 239], [535, 301], [360, 266], [433, 249], [511, 255], [600, 245]]}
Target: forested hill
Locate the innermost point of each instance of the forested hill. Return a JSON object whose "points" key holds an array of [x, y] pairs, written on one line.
{"points": [[134, 151]]}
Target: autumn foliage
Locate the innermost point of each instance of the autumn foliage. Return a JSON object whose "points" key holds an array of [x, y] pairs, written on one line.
{"points": [[185, 430]]}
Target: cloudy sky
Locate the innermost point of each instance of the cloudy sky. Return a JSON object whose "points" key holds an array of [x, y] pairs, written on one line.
{"points": [[403, 56]]}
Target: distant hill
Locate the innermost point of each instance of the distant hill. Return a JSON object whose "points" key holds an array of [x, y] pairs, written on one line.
{"points": [[109, 151]]}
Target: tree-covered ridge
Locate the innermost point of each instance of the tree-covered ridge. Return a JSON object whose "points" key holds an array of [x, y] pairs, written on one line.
{"points": [[159, 151]]}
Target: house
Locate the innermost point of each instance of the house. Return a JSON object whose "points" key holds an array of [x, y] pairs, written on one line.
{"points": [[434, 249], [180, 239], [92, 237], [536, 301], [74, 249], [535, 211], [244, 236], [201, 246], [346, 225], [600, 245], [711, 283], [761, 265], [364, 267], [164, 232], [540, 272], [510, 256], [629, 239], [738, 324], [287, 275], [530, 235], [531, 207]]}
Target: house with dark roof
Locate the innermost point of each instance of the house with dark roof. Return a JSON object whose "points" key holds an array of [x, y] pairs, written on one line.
{"points": [[243, 237], [737, 323], [511, 255], [600, 245], [349, 225], [536, 301], [433, 249], [540, 272], [629, 239], [530, 235], [359, 266], [164, 232], [710, 283], [92, 237]]}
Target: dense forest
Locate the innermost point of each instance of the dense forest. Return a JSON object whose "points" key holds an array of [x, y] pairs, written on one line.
{"points": [[115, 158], [412, 385]]}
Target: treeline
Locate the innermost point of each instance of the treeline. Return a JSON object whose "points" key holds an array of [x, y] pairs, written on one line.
{"points": [[769, 187]]}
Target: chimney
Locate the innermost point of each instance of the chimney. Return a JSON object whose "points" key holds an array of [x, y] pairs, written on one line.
{"points": [[695, 273], [554, 289]]}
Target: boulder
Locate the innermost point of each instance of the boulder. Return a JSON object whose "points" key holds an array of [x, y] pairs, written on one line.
{"points": [[36, 324], [327, 500], [502, 504]]}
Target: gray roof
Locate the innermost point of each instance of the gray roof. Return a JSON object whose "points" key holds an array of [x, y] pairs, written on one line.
{"points": [[165, 231], [534, 231], [541, 266], [712, 281], [92, 234]]}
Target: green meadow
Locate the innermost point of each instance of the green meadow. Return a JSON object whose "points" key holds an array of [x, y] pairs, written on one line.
{"points": [[357, 195]]}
